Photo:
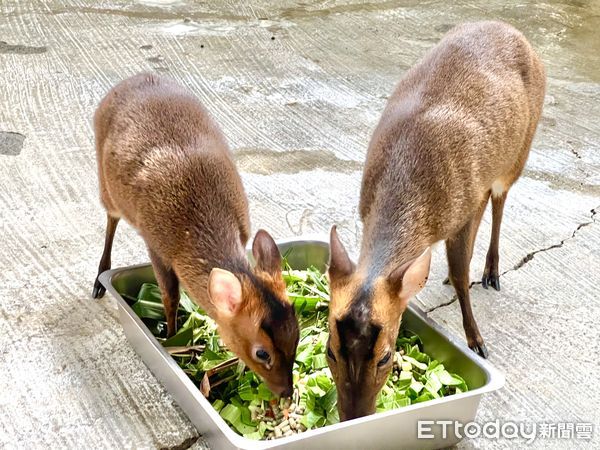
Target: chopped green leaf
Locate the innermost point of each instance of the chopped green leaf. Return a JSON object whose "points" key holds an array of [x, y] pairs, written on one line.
{"points": [[182, 338]]}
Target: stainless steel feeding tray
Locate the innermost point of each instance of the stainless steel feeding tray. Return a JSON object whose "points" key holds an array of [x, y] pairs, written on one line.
{"points": [[392, 429]]}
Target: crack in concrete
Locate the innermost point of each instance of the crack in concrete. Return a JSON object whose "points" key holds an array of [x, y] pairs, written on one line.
{"points": [[571, 146], [441, 305], [526, 258], [187, 443], [531, 255], [452, 300]]}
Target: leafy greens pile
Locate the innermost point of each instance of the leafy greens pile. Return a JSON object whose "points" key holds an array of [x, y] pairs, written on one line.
{"points": [[246, 403]]}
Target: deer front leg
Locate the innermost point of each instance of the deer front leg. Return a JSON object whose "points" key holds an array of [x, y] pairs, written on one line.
{"points": [[111, 228], [491, 275], [169, 287], [459, 250]]}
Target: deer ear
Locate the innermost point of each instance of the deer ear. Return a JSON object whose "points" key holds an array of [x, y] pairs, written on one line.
{"points": [[339, 262], [408, 279], [266, 253], [225, 292]]}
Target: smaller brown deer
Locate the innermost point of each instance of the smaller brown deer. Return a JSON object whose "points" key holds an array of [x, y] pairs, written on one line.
{"points": [[456, 131], [165, 167]]}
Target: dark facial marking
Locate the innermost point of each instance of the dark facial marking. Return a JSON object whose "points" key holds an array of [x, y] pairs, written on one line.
{"points": [[279, 324], [357, 333], [362, 303], [357, 343]]}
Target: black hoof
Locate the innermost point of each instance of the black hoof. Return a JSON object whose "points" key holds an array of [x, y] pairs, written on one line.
{"points": [[491, 280], [446, 281], [480, 349], [99, 290]]}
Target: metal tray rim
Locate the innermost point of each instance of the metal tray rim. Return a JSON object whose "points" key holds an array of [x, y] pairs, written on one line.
{"points": [[495, 379]]}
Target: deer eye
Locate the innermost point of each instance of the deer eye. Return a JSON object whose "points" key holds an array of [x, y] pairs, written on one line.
{"points": [[330, 353], [262, 355], [383, 361]]}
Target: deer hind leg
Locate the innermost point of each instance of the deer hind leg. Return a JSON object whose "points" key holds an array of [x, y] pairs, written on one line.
{"points": [[459, 250], [169, 287], [491, 275], [111, 228]]}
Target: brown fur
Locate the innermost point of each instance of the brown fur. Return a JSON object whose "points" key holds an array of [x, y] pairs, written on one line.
{"points": [[458, 126], [165, 167]]}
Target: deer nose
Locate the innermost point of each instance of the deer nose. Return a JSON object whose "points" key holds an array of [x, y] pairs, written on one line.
{"points": [[349, 415], [351, 407]]}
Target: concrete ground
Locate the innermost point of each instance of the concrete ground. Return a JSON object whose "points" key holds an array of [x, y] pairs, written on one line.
{"points": [[297, 88]]}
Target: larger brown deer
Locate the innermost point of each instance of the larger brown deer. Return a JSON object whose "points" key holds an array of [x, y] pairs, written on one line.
{"points": [[456, 131], [165, 167]]}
